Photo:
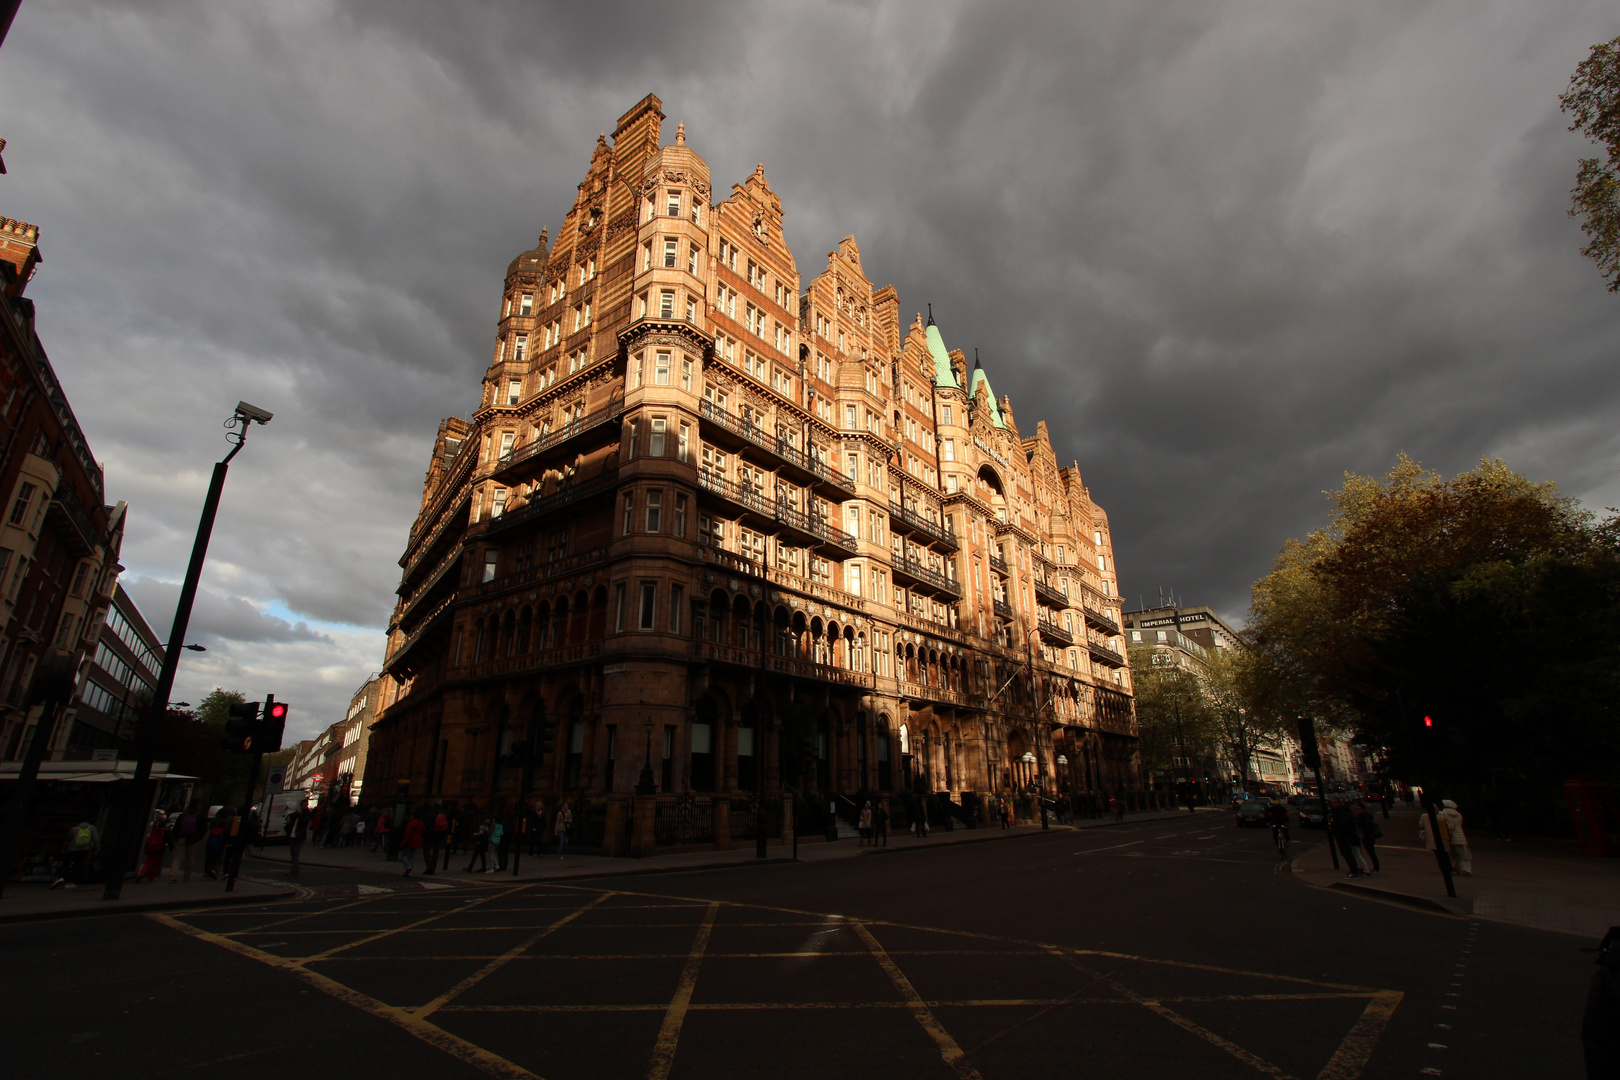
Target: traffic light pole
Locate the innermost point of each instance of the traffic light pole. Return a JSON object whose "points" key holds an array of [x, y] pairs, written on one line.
{"points": [[138, 796]]}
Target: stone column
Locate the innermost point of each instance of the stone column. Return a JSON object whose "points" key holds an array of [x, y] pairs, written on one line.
{"points": [[642, 841], [721, 805], [614, 839]]}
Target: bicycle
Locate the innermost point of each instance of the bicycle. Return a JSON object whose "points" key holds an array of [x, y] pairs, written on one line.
{"points": [[1279, 837]]}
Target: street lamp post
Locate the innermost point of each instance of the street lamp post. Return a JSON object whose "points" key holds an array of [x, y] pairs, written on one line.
{"points": [[131, 821]]}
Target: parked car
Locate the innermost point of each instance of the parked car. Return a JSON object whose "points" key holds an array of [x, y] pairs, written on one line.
{"points": [[1312, 813], [1252, 812]]}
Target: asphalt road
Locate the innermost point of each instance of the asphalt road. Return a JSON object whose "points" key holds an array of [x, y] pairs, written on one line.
{"points": [[1156, 949]]}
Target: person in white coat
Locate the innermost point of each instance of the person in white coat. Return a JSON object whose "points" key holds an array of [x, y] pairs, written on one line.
{"points": [[1451, 832]]}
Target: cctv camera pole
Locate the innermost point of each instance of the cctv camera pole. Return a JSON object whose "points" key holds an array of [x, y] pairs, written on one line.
{"points": [[132, 816]]}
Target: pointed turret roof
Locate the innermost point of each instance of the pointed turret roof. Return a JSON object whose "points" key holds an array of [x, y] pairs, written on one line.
{"points": [[981, 379], [943, 373]]}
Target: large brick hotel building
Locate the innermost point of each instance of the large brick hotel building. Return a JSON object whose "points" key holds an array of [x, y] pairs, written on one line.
{"points": [[715, 520]]}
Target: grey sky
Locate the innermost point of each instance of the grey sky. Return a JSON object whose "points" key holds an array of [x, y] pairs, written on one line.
{"points": [[1227, 251]]}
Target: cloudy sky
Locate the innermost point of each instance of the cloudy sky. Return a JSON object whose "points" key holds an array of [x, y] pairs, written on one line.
{"points": [[1227, 250]]}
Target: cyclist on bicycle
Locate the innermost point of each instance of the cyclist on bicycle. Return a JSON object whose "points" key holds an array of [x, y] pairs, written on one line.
{"points": [[1277, 816]]}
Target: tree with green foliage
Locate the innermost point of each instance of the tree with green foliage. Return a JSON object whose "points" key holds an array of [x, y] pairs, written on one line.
{"points": [[228, 784], [1171, 712], [1593, 102], [1487, 602]]}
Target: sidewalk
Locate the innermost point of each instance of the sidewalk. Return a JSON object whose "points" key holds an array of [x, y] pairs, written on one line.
{"points": [[25, 901], [1537, 882], [547, 867]]}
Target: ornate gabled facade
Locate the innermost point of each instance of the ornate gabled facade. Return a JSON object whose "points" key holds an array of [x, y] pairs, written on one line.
{"points": [[745, 531]]}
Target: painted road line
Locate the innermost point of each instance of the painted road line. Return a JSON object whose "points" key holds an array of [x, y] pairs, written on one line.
{"points": [[1110, 847], [669, 1033], [948, 1048]]}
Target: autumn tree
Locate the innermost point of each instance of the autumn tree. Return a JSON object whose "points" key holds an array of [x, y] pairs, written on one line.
{"points": [[1486, 602], [1593, 103]]}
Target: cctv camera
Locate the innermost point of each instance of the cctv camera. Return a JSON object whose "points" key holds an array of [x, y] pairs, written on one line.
{"points": [[253, 412]]}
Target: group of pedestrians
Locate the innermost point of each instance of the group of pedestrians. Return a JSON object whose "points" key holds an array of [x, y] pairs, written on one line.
{"points": [[874, 824], [1356, 833]]}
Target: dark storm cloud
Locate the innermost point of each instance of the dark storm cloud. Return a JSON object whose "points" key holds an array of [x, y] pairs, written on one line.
{"points": [[1227, 251]]}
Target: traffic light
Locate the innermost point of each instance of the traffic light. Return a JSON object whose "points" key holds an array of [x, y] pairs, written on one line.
{"points": [[242, 729], [271, 727], [1309, 751]]}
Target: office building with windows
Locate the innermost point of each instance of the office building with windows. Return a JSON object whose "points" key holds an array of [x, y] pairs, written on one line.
{"points": [[117, 685], [728, 530]]}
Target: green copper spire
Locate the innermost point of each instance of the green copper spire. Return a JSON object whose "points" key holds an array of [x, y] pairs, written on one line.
{"points": [[981, 379], [943, 375]]}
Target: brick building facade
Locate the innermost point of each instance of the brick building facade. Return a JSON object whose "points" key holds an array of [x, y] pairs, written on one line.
{"points": [[745, 531], [59, 541]]}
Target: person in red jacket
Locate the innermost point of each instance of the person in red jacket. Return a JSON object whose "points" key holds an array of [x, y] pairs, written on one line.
{"points": [[156, 841], [410, 842]]}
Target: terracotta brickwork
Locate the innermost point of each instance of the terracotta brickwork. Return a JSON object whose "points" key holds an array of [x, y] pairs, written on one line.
{"points": [[742, 530]]}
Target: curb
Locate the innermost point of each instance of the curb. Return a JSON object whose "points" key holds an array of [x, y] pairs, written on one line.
{"points": [[137, 909], [1397, 897]]}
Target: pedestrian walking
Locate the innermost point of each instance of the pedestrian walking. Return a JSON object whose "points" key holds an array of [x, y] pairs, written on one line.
{"points": [[880, 824], [497, 840], [410, 842], [919, 819], [297, 826], [480, 849], [438, 836], [1461, 857], [865, 824], [1113, 806], [565, 821], [214, 847], [189, 831], [460, 833], [1346, 834], [156, 841], [1370, 835], [246, 828], [385, 825]]}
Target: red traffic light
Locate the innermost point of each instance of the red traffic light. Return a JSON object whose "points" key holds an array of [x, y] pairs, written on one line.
{"points": [[276, 711], [1428, 721]]}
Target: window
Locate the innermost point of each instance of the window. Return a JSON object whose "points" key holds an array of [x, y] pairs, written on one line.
{"points": [[850, 418], [520, 347], [950, 449], [1162, 636], [526, 304], [854, 578], [655, 510], [64, 632], [656, 446], [499, 505], [646, 255], [629, 508], [491, 560], [680, 516], [683, 444], [675, 594], [686, 373], [514, 391], [692, 259], [649, 600], [666, 304], [711, 531], [661, 365], [506, 443], [79, 575], [945, 414], [669, 252], [19, 509], [784, 384], [635, 372], [618, 606], [691, 309], [674, 205]]}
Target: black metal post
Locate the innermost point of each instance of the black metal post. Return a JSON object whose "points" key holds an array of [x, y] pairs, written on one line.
{"points": [[1327, 818], [137, 797]]}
